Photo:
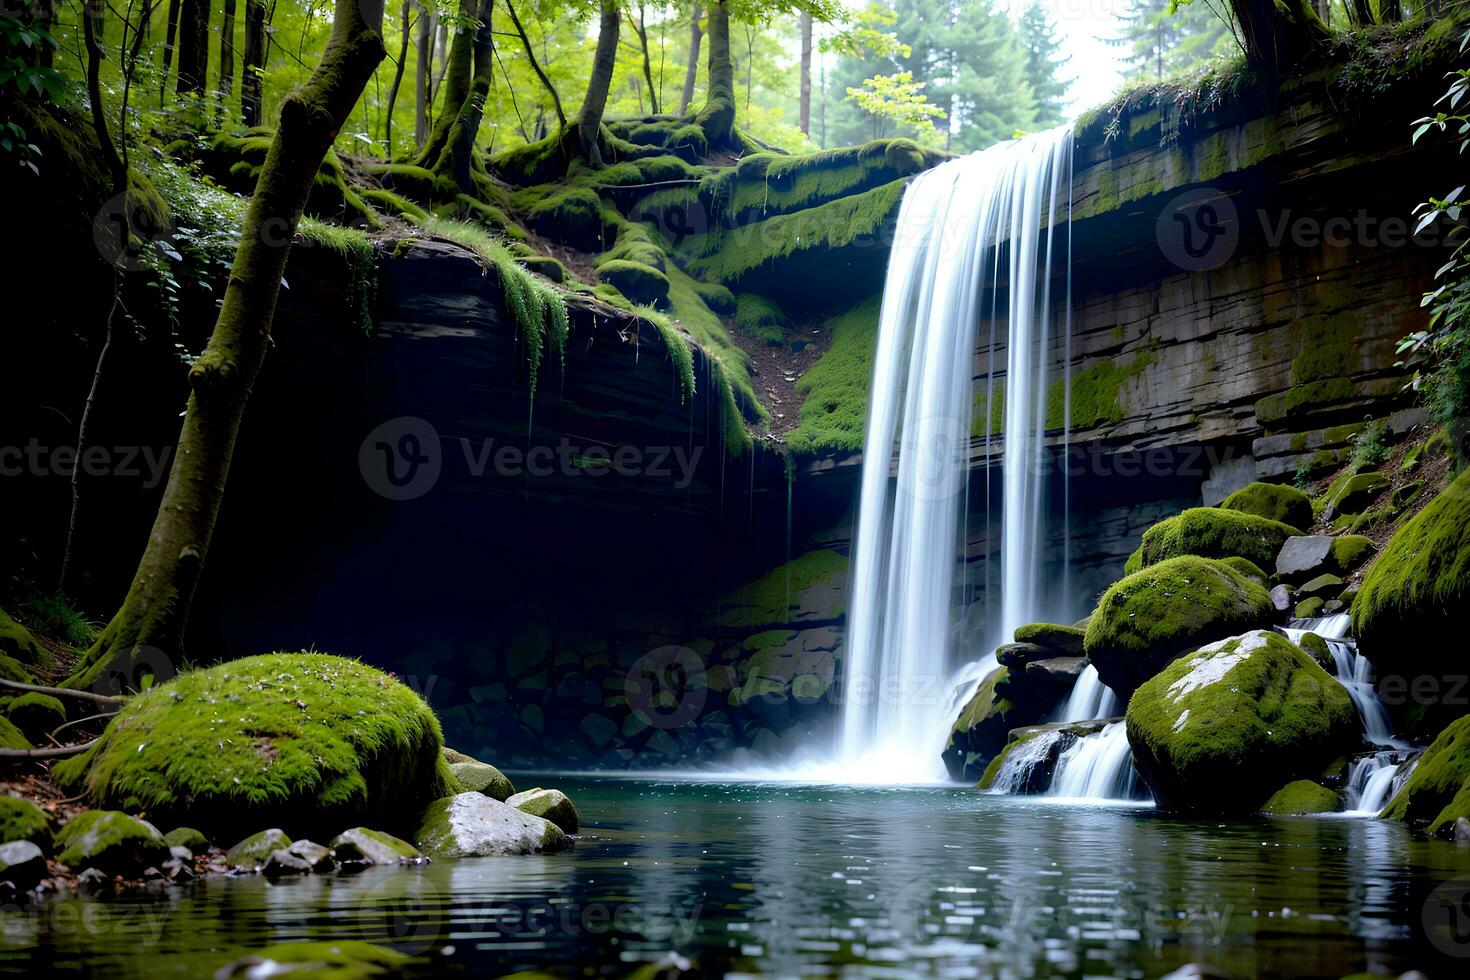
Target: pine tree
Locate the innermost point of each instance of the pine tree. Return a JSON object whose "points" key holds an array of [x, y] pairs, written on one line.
{"points": [[1043, 68], [1160, 43]]}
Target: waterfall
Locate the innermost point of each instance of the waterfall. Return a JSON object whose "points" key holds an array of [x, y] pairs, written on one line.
{"points": [[1098, 767], [987, 217], [1373, 779], [1090, 699], [1355, 674]]}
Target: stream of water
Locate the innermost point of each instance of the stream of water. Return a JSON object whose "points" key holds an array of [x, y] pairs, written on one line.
{"points": [[819, 881]]}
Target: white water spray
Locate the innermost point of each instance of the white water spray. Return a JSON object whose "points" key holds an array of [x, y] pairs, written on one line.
{"points": [[988, 217]]}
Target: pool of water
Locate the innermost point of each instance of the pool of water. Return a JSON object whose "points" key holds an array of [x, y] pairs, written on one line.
{"points": [[802, 880]]}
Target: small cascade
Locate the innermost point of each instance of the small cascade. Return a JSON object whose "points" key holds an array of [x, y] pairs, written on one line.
{"points": [[1021, 771], [1354, 673], [1090, 699], [1373, 779], [1098, 767]]}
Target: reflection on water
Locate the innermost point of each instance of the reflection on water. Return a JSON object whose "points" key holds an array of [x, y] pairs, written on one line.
{"points": [[785, 880]]}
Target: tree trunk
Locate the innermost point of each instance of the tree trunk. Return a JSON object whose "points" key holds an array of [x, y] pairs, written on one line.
{"points": [[1278, 34], [691, 72], [589, 117], [458, 160], [805, 111], [455, 88], [193, 47], [536, 65], [397, 76], [254, 58], [227, 52], [642, 29], [170, 35], [422, 72], [717, 118], [156, 609]]}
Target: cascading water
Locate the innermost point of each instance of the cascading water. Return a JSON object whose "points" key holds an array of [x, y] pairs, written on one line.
{"points": [[1354, 673], [990, 216], [1090, 699]]}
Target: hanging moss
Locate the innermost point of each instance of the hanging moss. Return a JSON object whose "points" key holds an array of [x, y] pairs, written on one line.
{"points": [[1096, 393], [393, 204], [361, 258], [466, 208], [710, 333], [536, 307], [834, 410]]}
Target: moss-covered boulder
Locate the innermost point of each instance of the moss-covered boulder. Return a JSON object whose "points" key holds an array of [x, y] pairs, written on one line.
{"points": [[188, 838], [12, 737], [1302, 796], [255, 850], [984, 724], [1354, 495], [1147, 619], [112, 842], [572, 217], [306, 741], [360, 846], [1273, 501], [548, 804], [23, 820], [640, 283], [1413, 599], [481, 777], [1210, 532], [474, 825], [22, 866], [17, 643], [1351, 550], [1249, 569], [1066, 640], [1222, 729], [35, 714], [1437, 792]]}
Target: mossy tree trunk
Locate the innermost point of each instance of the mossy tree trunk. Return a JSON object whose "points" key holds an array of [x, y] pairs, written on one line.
{"points": [[423, 71], [227, 52], [594, 103], [170, 37], [157, 606], [457, 160], [458, 77], [403, 25], [691, 70], [642, 28], [717, 118], [515, 19], [1278, 35], [193, 47], [804, 113], [254, 61]]}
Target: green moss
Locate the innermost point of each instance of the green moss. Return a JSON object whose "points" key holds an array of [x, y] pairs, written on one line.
{"points": [[23, 820], [12, 737], [1351, 550], [1273, 501], [834, 409], [1437, 793], [983, 423], [549, 804], [573, 216], [731, 363], [35, 713], [761, 318], [807, 587], [17, 643], [393, 205], [418, 183], [306, 739], [1096, 393], [361, 259], [1247, 568], [1302, 796], [1302, 399], [236, 158], [536, 307], [187, 837], [255, 850], [546, 266], [1309, 608], [112, 842], [717, 297], [493, 219], [641, 284], [727, 255], [1220, 730], [1413, 594], [1351, 494], [674, 344], [1147, 619], [1211, 532], [987, 779], [1052, 636]]}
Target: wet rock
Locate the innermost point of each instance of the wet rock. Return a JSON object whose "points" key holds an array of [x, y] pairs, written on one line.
{"points": [[598, 731], [319, 858], [187, 837], [1066, 640], [1304, 556], [1021, 654], [1322, 586], [111, 842], [548, 804], [1281, 598], [481, 777], [23, 820], [1302, 796], [1309, 608], [1355, 495], [255, 850], [22, 865], [284, 864], [93, 880], [474, 825], [361, 847]]}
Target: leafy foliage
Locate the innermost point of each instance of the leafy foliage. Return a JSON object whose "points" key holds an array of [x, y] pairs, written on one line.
{"points": [[899, 99]]}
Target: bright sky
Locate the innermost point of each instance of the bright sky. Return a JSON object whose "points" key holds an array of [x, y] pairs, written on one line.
{"points": [[1095, 67]]}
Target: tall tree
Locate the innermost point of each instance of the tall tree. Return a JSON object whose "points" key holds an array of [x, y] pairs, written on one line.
{"points": [[193, 47], [691, 71], [594, 103], [458, 76], [641, 27], [170, 36], [227, 52], [1161, 38], [423, 73], [1043, 63], [251, 82], [535, 64], [157, 605], [405, 25], [804, 111]]}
